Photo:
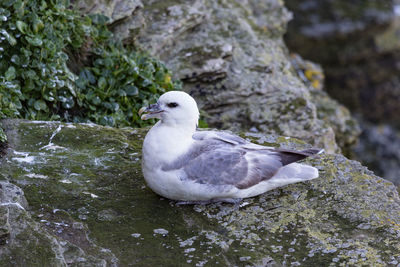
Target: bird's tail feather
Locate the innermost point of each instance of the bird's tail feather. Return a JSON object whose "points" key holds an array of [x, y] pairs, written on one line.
{"points": [[294, 173]]}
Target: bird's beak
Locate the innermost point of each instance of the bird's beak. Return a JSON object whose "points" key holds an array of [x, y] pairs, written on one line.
{"points": [[152, 111]]}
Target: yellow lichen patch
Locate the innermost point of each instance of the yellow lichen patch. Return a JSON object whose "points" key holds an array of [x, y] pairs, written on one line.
{"points": [[395, 225], [311, 73], [371, 258], [316, 84], [360, 177], [318, 235], [284, 219], [367, 213]]}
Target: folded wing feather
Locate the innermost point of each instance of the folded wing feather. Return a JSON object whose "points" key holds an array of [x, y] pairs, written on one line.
{"points": [[219, 158]]}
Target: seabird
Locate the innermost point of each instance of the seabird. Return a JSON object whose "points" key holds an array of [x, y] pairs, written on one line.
{"points": [[191, 166]]}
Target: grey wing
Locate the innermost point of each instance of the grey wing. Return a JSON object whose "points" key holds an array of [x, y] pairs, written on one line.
{"points": [[230, 165], [222, 166]]}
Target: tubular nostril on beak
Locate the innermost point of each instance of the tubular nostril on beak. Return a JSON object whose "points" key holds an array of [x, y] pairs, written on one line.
{"points": [[141, 110], [152, 111]]}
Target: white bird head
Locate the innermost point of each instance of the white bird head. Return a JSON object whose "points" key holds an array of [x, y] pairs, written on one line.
{"points": [[174, 108]]}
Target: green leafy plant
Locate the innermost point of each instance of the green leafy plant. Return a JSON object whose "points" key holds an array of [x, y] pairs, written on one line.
{"points": [[3, 136], [117, 84], [58, 65]]}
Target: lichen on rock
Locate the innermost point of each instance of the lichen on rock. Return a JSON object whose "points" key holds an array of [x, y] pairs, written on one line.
{"points": [[84, 190]]}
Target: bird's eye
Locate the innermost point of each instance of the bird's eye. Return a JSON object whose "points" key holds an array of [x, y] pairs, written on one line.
{"points": [[172, 105]]}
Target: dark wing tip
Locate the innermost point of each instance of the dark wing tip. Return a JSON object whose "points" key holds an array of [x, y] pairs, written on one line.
{"points": [[289, 156]]}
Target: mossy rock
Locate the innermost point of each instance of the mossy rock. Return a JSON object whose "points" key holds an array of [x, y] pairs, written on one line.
{"points": [[85, 190]]}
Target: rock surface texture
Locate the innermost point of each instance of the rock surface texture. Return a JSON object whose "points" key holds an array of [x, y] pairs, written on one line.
{"points": [[231, 57], [73, 194]]}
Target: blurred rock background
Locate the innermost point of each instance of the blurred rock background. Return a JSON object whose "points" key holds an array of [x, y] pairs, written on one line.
{"points": [[357, 44]]}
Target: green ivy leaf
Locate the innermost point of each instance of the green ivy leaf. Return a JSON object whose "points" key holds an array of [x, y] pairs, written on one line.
{"points": [[131, 90], [81, 83], [107, 120], [35, 41], [102, 83], [49, 98], [11, 40], [121, 92], [21, 26], [15, 59], [10, 74], [86, 74], [8, 3], [40, 105], [96, 100], [37, 25], [30, 74], [67, 102]]}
